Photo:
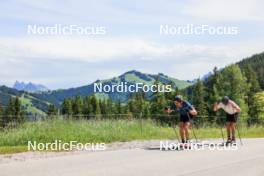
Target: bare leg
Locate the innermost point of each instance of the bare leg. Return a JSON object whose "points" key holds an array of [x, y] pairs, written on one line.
{"points": [[186, 130], [233, 130], [181, 125]]}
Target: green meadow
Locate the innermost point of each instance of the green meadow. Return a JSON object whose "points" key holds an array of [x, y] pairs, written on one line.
{"points": [[95, 131]]}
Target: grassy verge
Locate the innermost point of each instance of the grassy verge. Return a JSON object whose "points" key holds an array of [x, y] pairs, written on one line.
{"points": [[16, 139], [12, 149]]}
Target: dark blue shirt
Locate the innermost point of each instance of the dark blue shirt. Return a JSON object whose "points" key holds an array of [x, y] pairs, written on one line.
{"points": [[184, 110]]}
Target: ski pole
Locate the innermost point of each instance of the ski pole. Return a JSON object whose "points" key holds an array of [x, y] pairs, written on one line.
{"points": [[238, 131], [222, 132], [173, 126], [193, 131], [239, 136], [174, 129]]}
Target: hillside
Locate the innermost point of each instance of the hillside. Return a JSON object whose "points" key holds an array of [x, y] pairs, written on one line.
{"points": [[257, 63], [37, 103], [131, 77], [30, 104]]}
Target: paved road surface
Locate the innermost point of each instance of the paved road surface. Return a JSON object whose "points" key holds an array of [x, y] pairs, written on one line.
{"points": [[247, 160]]}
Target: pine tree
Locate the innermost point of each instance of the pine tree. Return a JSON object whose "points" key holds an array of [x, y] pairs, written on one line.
{"points": [[98, 114], [131, 107], [18, 115], [252, 79], [66, 107], [103, 107], [157, 107], [52, 110], [170, 95], [87, 106], [119, 107], [127, 111], [254, 87], [10, 111], [110, 108], [213, 88], [1, 116], [96, 107], [77, 106], [235, 86], [199, 98], [258, 105], [146, 111], [256, 62], [139, 102], [158, 100]]}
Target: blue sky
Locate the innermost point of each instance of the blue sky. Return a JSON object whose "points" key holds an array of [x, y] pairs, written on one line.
{"points": [[132, 39]]}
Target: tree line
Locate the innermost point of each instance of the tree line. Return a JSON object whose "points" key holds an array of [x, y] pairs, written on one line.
{"points": [[13, 113], [241, 85]]}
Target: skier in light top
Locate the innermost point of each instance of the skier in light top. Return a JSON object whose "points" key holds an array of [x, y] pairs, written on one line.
{"points": [[232, 110]]}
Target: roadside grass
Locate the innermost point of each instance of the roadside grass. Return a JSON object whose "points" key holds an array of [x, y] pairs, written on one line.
{"points": [[15, 140], [12, 149]]}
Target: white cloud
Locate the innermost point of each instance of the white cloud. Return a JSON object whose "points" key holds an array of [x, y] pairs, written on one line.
{"points": [[105, 49], [225, 10], [43, 59], [64, 62]]}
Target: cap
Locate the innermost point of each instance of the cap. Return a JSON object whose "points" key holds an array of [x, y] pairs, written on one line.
{"points": [[225, 100], [178, 98]]}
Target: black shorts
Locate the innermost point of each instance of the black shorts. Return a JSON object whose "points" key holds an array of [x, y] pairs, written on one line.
{"points": [[231, 117], [184, 118]]}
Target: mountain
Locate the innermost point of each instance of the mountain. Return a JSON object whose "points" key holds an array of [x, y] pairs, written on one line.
{"points": [[30, 104], [257, 63], [30, 87], [35, 98], [131, 77]]}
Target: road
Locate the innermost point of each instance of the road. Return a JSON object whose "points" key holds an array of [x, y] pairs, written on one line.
{"points": [[247, 160]]}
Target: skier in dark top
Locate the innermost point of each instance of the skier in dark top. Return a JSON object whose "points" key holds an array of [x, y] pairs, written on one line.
{"points": [[186, 111]]}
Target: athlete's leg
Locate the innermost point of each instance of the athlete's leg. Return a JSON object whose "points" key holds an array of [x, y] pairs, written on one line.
{"points": [[181, 125], [233, 130], [228, 129], [186, 130]]}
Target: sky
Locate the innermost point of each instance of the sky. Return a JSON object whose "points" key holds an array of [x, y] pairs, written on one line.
{"points": [[131, 40]]}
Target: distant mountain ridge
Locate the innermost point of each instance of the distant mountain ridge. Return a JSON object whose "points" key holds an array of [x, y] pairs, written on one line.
{"points": [[131, 77], [30, 87], [37, 102]]}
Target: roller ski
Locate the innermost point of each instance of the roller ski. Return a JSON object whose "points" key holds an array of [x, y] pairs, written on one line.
{"points": [[230, 142]]}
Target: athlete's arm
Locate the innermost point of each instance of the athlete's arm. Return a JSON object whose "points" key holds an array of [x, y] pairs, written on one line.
{"points": [[235, 106], [168, 110], [216, 106], [193, 112]]}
